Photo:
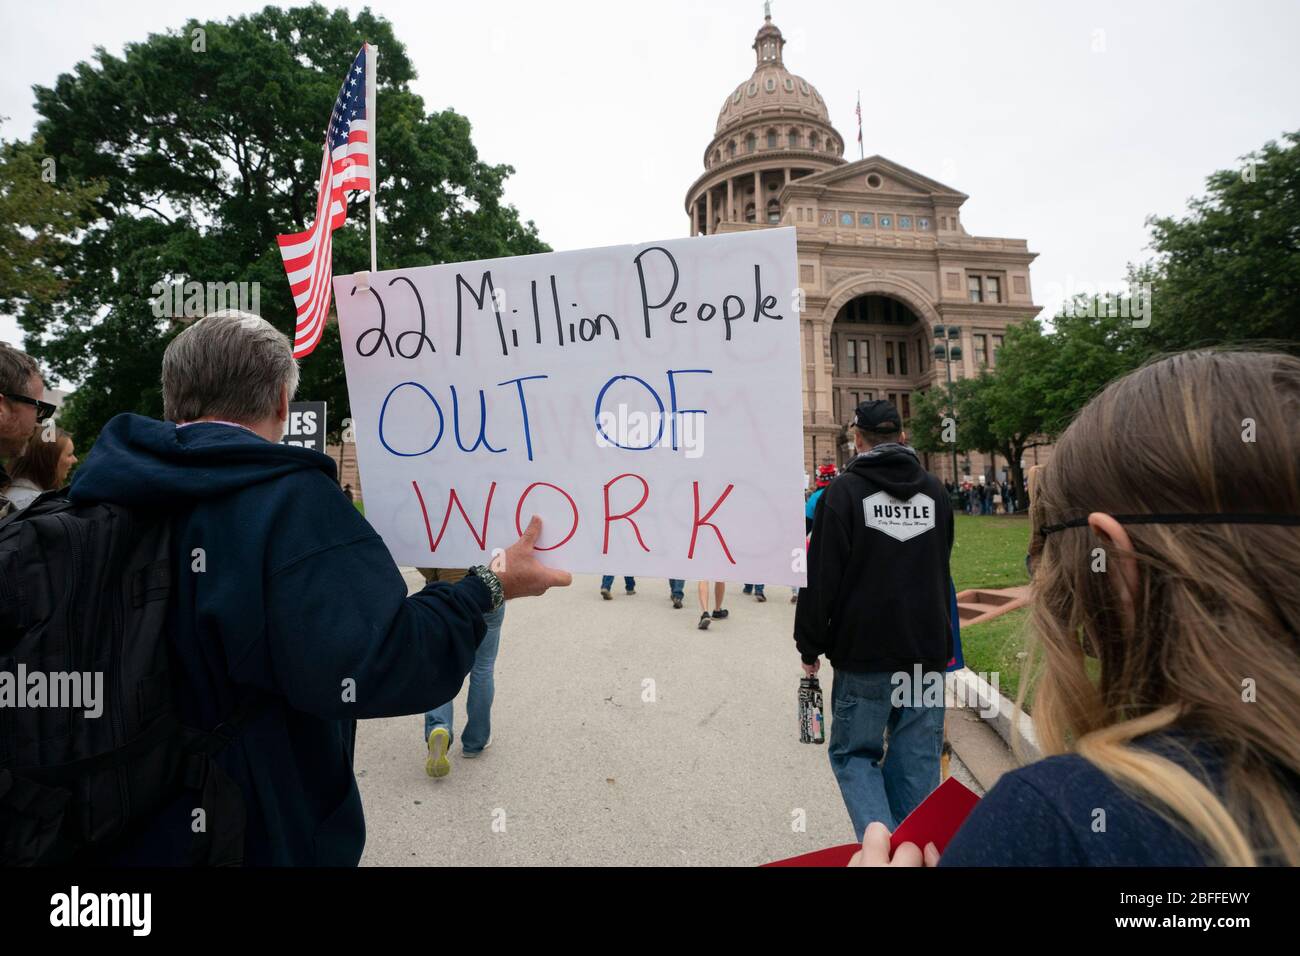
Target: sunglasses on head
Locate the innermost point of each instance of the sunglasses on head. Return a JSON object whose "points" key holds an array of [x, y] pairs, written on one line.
{"points": [[43, 409]]}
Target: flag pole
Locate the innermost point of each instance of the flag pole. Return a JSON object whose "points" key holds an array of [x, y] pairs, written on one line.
{"points": [[372, 57]]}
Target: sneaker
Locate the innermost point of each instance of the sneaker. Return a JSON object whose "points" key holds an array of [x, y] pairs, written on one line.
{"points": [[631, 592], [604, 592], [747, 589], [677, 603], [794, 599], [471, 754], [704, 621], [760, 597], [438, 765], [720, 613]]}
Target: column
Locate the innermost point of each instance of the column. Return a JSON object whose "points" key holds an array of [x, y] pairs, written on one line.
{"points": [[730, 211], [708, 211], [760, 204], [787, 175]]}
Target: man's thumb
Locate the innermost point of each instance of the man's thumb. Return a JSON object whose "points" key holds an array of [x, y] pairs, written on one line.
{"points": [[532, 532]]}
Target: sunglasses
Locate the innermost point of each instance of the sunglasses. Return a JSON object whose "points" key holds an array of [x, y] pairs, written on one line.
{"points": [[43, 409]]}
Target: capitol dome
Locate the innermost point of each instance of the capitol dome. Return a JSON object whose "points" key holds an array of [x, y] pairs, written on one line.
{"points": [[772, 88], [773, 129]]}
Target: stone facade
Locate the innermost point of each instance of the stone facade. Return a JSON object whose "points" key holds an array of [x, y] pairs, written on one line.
{"points": [[884, 257]]}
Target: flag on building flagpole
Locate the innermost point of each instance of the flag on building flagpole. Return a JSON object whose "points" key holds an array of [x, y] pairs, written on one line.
{"points": [[348, 162], [859, 111]]}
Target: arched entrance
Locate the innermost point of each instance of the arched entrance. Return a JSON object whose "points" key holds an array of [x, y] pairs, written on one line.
{"points": [[880, 349]]}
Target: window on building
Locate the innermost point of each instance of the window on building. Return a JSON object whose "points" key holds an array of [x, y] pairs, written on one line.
{"points": [[920, 355], [814, 141], [994, 288], [773, 211], [835, 396], [902, 358], [731, 149], [893, 399], [853, 356], [904, 222], [827, 217], [981, 350], [771, 139], [886, 222], [867, 221], [889, 358], [794, 138], [906, 410], [923, 223], [864, 352], [997, 345], [975, 287], [846, 219], [751, 142], [750, 215]]}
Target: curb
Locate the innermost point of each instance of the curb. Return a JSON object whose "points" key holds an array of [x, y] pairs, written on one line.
{"points": [[1006, 717]]}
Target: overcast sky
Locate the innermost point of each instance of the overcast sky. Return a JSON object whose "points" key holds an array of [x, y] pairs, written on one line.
{"points": [[1067, 124]]}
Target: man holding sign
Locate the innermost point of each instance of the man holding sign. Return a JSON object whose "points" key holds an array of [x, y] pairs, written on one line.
{"points": [[281, 592]]}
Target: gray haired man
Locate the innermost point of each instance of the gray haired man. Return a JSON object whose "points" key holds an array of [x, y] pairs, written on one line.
{"points": [[281, 587]]}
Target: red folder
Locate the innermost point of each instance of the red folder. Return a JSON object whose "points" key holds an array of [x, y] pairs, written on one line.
{"points": [[934, 821]]}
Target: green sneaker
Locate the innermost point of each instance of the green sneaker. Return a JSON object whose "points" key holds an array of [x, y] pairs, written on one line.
{"points": [[438, 765]]}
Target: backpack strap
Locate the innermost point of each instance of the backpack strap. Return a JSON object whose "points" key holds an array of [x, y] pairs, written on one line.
{"points": [[221, 841]]}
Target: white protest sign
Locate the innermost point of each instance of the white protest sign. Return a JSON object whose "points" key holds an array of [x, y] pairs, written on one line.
{"points": [[644, 400]]}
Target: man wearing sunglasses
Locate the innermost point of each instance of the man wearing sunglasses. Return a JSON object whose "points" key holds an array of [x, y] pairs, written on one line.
{"points": [[21, 408]]}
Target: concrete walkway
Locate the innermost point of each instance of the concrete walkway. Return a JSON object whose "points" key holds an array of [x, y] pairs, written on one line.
{"points": [[621, 735]]}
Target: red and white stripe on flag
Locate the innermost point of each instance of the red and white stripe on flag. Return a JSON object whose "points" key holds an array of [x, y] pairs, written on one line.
{"points": [[345, 164]]}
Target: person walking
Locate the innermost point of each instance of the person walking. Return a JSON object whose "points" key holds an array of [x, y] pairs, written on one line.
{"points": [[719, 612], [877, 605], [607, 582], [439, 731]]}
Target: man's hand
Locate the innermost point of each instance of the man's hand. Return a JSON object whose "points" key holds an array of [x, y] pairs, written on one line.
{"points": [[812, 669], [875, 850], [520, 573]]}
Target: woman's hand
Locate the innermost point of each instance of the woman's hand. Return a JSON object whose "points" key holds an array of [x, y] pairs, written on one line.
{"points": [[875, 850]]}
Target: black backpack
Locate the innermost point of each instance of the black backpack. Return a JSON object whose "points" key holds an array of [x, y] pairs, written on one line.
{"points": [[84, 590]]}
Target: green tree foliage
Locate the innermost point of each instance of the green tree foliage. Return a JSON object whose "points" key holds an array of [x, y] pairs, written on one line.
{"points": [[207, 144], [1229, 271], [39, 221]]}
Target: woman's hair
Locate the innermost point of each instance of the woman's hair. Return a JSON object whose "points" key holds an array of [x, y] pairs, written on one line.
{"points": [[39, 462], [1211, 648]]}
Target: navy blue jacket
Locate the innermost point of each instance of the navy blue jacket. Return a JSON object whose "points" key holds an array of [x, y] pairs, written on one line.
{"points": [[297, 596], [1049, 813]]}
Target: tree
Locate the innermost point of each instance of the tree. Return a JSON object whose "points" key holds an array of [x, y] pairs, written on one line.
{"points": [[998, 412], [1229, 271], [39, 220], [207, 142]]}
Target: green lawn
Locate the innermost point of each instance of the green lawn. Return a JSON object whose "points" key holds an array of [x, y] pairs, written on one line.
{"points": [[989, 551], [992, 648]]}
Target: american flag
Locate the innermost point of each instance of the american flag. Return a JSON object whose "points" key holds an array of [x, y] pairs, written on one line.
{"points": [[345, 164], [859, 112]]}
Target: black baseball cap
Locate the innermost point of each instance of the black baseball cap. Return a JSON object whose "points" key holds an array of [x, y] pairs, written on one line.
{"points": [[879, 417]]}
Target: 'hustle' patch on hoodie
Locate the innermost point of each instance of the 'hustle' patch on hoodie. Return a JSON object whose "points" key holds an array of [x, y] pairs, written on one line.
{"points": [[897, 518]]}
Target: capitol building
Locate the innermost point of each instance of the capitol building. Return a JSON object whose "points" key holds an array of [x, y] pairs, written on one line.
{"points": [[885, 259]]}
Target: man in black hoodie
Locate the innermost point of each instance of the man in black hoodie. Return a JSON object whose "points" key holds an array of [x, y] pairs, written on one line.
{"points": [[877, 606]]}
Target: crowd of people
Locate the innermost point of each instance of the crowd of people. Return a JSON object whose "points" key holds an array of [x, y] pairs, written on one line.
{"points": [[987, 497], [1169, 694]]}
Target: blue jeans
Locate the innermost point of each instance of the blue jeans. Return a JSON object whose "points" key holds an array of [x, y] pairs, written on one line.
{"points": [[755, 588], [677, 587], [482, 688], [876, 786], [607, 582]]}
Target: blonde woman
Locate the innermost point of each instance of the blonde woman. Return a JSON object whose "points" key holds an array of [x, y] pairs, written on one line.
{"points": [[1166, 618]]}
